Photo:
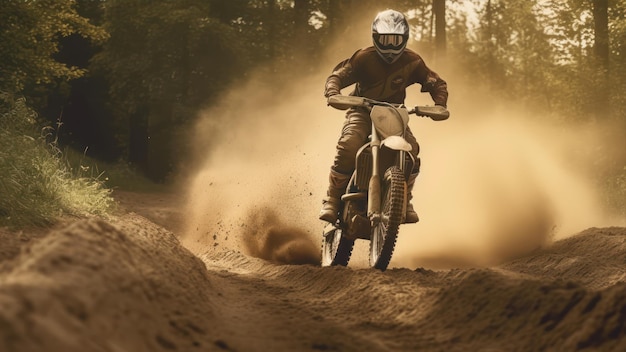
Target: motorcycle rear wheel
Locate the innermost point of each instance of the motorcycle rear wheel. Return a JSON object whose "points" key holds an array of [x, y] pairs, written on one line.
{"points": [[384, 235], [336, 249]]}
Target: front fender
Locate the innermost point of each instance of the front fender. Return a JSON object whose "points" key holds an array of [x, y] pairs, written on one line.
{"points": [[397, 143]]}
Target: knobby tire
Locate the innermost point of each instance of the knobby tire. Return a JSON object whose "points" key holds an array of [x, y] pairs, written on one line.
{"points": [[336, 249], [384, 235]]}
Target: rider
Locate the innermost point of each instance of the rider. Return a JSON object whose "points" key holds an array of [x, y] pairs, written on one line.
{"points": [[381, 72]]}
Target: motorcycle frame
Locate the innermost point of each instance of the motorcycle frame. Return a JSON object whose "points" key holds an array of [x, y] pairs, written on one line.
{"points": [[358, 212], [403, 160]]}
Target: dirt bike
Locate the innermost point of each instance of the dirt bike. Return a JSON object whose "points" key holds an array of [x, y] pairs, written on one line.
{"points": [[375, 201]]}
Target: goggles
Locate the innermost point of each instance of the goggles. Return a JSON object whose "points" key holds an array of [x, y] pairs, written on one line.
{"points": [[389, 41]]}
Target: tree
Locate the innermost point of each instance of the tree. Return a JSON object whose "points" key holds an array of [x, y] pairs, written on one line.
{"points": [[601, 31], [513, 53], [601, 51], [439, 9], [301, 23], [29, 35], [164, 60]]}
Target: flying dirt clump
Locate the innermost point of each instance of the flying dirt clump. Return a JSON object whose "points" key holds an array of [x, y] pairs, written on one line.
{"points": [[267, 237]]}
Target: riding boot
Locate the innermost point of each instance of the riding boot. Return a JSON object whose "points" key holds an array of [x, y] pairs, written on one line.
{"points": [[411, 216], [336, 188]]}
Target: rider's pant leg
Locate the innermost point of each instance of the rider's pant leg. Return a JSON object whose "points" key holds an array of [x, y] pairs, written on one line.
{"points": [[415, 150], [355, 131]]}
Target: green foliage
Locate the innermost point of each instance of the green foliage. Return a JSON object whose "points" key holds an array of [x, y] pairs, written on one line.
{"points": [[512, 53], [542, 54], [36, 186], [29, 34], [118, 175], [166, 51], [164, 61]]}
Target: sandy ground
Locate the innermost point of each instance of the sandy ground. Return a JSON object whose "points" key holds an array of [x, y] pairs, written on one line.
{"points": [[127, 284]]}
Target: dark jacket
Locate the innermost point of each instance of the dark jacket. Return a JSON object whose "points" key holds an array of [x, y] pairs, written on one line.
{"points": [[376, 79]]}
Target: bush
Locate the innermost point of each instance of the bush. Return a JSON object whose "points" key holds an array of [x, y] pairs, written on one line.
{"points": [[36, 187]]}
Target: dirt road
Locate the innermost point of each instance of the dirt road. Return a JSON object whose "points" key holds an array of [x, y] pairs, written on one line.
{"points": [[127, 284]]}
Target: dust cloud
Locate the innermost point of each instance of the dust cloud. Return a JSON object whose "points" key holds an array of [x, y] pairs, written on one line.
{"points": [[267, 154], [495, 183], [495, 186]]}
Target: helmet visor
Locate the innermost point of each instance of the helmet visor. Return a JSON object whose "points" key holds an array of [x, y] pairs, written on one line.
{"points": [[389, 41]]}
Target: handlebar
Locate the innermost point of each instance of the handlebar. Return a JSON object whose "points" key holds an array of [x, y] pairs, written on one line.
{"points": [[344, 102], [436, 113]]}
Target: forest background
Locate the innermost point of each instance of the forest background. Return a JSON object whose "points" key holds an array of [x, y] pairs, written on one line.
{"points": [[122, 81]]}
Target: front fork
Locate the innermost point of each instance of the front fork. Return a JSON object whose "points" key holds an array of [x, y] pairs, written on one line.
{"points": [[374, 187], [373, 191]]}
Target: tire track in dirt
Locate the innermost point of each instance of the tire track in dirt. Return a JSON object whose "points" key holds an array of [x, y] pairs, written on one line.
{"points": [[467, 309], [128, 284]]}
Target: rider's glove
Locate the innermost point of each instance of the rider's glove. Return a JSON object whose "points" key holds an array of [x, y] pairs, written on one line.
{"points": [[330, 92]]}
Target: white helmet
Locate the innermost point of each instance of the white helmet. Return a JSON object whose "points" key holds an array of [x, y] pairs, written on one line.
{"points": [[390, 32]]}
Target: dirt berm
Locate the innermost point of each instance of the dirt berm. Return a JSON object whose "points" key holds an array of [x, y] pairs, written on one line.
{"points": [[127, 284]]}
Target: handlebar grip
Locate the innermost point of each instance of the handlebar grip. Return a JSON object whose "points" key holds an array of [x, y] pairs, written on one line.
{"points": [[344, 102], [437, 112]]}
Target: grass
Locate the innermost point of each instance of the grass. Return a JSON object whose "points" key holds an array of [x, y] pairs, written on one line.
{"points": [[36, 186], [114, 175]]}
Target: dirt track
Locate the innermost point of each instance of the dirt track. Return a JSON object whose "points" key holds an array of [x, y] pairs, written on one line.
{"points": [[127, 284]]}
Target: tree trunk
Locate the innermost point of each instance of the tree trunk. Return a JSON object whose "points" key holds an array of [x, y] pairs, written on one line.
{"points": [[601, 27], [338, 15], [489, 43], [439, 8], [601, 49], [138, 138], [300, 41], [271, 29]]}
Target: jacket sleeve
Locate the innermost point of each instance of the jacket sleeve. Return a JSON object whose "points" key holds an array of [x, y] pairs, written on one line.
{"points": [[433, 84], [342, 76]]}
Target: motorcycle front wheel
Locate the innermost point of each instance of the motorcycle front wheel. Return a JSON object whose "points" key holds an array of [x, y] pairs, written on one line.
{"points": [[336, 249], [384, 234]]}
